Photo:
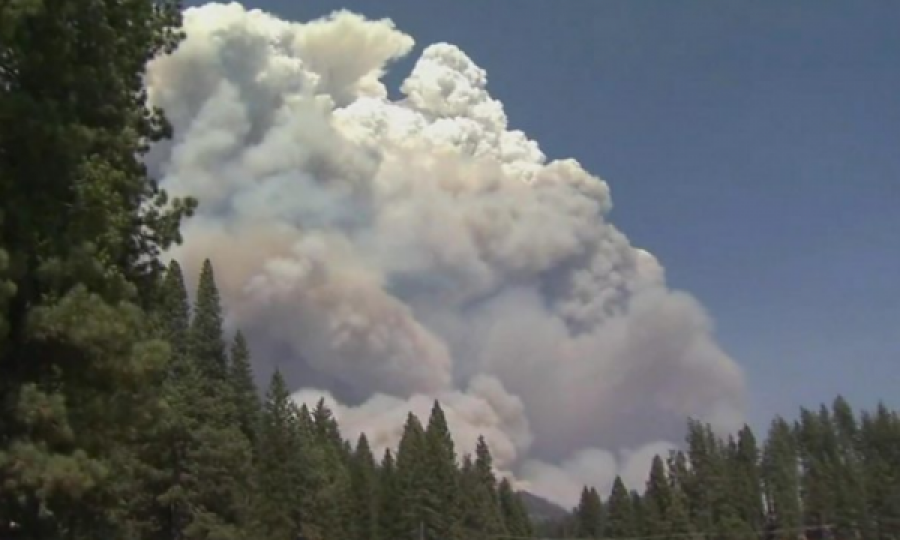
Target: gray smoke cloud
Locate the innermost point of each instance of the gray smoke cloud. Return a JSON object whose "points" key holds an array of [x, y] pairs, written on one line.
{"points": [[386, 253]]}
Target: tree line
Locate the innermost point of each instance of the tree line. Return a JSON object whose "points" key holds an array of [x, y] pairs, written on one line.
{"points": [[127, 413], [832, 473]]}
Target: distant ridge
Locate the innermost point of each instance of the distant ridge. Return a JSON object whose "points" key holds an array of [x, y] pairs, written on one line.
{"points": [[540, 509]]}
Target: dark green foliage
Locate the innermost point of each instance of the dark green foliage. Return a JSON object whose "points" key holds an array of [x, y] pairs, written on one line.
{"points": [[589, 514], [364, 489], [244, 390], [620, 521], [411, 477], [481, 516], [174, 313], [781, 480], [279, 470], [390, 514], [81, 226], [475, 516], [326, 428], [677, 522], [745, 480], [515, 516], [326, 501], [833, 475], [442, 509], [657, 498], [207, 343], [851, 512]]}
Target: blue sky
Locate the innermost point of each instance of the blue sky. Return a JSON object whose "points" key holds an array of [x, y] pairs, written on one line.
{"points": [[754, 147]]}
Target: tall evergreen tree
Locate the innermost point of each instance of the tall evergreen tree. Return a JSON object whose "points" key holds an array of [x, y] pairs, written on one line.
{"points": [[207, 341], [175, 311], [680, 474], [81, 227], [744, 467], [515, 515], [851, 515], [442, 510], [880, 440], [411, 476], [364, 488], [817, 453], [620, 512], [279, 466], [707, 488], [677, 522], [246, 403], [218, 454], [472, 512], [589, 514], [485, 491], [168, 456], [390, 512], [657, 499], [484, 464], [642, 521], [781, 478], [326, 427], [326, 490]]}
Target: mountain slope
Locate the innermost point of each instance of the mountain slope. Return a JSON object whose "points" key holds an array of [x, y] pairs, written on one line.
{"points": [[540, 509]]}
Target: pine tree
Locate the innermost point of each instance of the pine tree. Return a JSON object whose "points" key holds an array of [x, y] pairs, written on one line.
{"points": [[411, 476], [780, 478], [680, 475], [484, 493], [642, 520], [442, 506], [480, 516], [620, 512], [677, 522], [81, 228], [280, 454], [515, 516], [657, 499], [880, 439], [851, 516], [328, 505], [169, 480], [484, 464], [705, 489], [364, 487], [326, 427], [175, 312], [589, 514], [746, 485], [218, 455], [220, 464], [244, 390], [817, 452], [390, 514], [207, 343]]}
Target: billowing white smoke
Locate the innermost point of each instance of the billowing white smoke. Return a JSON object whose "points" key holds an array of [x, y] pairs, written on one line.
{"points": [[385, 253]]}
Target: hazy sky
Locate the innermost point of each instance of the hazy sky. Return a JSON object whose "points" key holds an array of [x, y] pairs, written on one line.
{"points": [[753, 147]]}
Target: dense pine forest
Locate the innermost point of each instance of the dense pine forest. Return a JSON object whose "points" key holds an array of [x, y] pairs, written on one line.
{"points": [[830, 474], [128, 413]]}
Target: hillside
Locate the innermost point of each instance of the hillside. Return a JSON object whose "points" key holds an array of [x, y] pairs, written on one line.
{"points": [[540, 509]]}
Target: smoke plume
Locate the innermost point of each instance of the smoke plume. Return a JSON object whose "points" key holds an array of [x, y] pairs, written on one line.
{"points": [[383, 253]]}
